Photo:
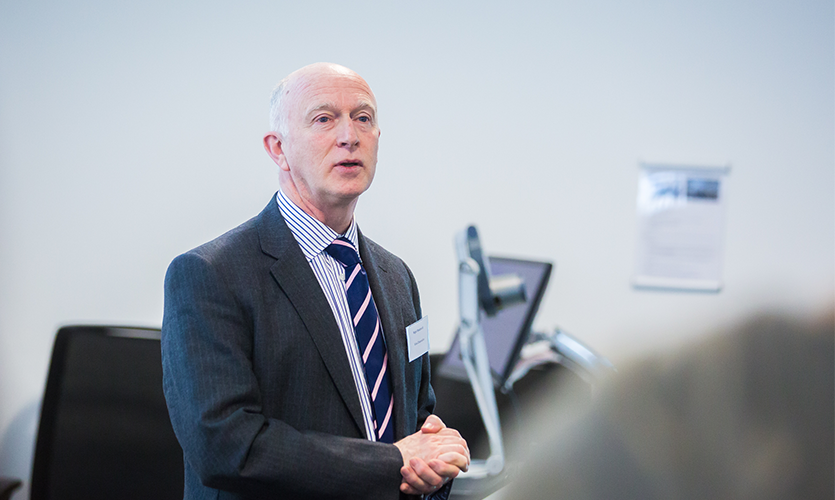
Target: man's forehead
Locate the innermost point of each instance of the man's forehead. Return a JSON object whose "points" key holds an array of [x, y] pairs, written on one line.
{"points": [[331, 92]]}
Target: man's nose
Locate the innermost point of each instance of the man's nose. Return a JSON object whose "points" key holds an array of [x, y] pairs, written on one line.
{"points": [[347, 134]]}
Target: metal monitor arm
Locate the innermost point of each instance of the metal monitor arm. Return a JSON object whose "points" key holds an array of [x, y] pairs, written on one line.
{"points": [[474, 356], [478, 291]]}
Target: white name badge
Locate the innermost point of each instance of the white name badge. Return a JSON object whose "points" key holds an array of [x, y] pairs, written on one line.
{"points": [[417, 338]]}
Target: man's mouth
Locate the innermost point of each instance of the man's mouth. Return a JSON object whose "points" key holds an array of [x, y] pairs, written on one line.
{"points": [[350, 163]]}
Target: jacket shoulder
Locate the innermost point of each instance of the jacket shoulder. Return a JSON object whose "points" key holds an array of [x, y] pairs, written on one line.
{"points": [[241, 242], [240, 239]]}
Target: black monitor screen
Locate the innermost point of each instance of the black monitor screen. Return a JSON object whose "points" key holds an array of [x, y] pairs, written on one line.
{"points": [[505, 333]]}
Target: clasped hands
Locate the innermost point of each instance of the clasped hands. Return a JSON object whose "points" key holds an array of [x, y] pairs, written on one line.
{"points": [[431, 457]]}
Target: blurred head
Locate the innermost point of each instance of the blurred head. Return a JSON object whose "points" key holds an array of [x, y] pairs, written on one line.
{"points": [[743, 414]]}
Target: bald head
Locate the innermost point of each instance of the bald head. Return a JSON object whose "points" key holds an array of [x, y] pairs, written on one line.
{"points": [[294, 84]]}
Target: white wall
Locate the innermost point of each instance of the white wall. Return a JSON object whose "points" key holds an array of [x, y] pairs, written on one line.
{"points": [[130, 132]]}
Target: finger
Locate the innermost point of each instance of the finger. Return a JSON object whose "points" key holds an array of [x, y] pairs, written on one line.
{"points": [[414, 485], [449, 446], [465, 450], [449, 432], [425, 473], [408, 488], [433, 423], [454, 437], [455, 460], [444, 469]]}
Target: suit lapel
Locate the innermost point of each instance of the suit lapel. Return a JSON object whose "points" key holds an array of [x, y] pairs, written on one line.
{"points": [[293, 275], [379, 279]]}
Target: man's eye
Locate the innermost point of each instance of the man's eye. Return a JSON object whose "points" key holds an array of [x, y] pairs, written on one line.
{"points": [[323, 119], [364, 119]]}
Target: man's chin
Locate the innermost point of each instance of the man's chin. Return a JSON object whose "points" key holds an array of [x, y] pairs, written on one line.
{"points": [[350, 191]]}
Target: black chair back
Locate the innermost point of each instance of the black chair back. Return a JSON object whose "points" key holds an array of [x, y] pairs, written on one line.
{"points": [[104, 431]]}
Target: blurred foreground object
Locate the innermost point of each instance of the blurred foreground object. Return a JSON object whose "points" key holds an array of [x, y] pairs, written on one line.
{"points": [[747, 414]]}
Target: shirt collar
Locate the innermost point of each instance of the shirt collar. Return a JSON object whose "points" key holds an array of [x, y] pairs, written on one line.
{"points": [[312, 235]]}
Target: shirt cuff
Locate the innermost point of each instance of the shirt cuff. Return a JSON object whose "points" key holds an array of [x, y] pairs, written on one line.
{"points": [[442, 493]]}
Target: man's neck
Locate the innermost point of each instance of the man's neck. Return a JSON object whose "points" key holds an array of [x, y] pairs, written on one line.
{"points": [[337, 217]]}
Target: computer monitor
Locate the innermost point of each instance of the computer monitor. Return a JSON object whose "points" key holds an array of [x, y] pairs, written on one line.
{"points": [[505, 333]]}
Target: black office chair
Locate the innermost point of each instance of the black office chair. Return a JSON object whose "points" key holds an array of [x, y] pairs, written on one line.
{"points": [[7, 487], [104, 431]]}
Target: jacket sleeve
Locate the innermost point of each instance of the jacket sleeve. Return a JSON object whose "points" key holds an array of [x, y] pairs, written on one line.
{"points": [[215, 404]]}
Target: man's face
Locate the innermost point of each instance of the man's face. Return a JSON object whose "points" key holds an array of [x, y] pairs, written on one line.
{"points": [[330, 149]]}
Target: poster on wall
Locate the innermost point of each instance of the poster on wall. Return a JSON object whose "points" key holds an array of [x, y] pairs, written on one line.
{"points": [[681, 225]]}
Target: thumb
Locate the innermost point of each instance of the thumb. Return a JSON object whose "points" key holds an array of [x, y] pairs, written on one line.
{"points": [[433, 423]]}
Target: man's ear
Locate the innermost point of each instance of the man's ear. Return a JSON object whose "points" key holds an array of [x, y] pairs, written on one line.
{"points": [[273, 146]]}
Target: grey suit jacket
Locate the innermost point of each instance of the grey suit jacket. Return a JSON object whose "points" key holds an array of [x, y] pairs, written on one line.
{"points": [[256, 377]]}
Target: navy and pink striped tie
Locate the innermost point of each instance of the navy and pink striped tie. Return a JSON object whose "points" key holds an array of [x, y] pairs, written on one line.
{"points": [[369, 336]]}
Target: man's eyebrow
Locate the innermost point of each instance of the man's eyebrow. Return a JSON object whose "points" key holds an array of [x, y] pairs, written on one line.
{"points": [[329, 106], [367, 105]]}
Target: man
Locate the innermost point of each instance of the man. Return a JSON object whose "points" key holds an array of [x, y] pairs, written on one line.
{"points": [[275, 383]]}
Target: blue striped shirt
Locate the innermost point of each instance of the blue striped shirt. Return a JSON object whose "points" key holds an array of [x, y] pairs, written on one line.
{"points": [[313, 237]]}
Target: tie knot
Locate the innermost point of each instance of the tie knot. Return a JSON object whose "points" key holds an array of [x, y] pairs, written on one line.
{"points": [[343, 251]]}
